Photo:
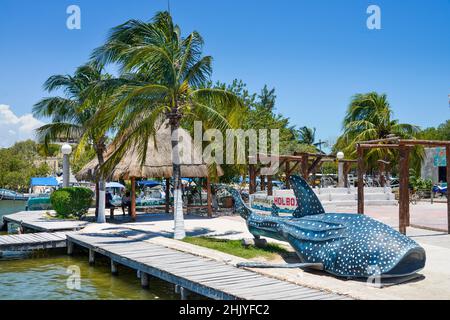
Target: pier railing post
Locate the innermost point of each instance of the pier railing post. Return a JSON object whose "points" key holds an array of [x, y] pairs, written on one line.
{"points": [[114, 267], [69, 247], [144, 280], [91, 256], [184, 293]]}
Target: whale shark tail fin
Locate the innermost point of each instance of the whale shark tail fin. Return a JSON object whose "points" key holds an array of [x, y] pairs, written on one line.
{"points": [[307, 201]]}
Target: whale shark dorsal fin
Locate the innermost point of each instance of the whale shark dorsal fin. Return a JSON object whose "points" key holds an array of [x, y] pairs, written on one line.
{"points": [[307, 201]]}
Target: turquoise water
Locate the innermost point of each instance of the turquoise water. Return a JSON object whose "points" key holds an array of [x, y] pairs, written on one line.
{"points": [[44, 275], [8, 207]]}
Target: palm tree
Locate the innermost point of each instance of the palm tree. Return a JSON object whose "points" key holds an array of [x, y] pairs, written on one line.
{"points": [[72, 115], [369, 117], [308, 136], [166, 75]]}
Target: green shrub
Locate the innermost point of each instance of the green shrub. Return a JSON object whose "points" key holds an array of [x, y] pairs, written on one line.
{"points": [[73, 202], [417, 183]]}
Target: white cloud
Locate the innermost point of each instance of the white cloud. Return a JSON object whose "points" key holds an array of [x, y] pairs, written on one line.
{"points": [[15, 128]]}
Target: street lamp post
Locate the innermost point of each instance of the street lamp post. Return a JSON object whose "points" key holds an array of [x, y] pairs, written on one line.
{"points": [[340, 157], [66, 150]]}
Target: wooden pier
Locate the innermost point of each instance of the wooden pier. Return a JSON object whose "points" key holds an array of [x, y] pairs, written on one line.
{"points": [[33, 241], [40, 222], [190, 273]]}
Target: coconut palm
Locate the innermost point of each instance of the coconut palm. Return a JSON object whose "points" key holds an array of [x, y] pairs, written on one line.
{"points": [[165, 74], [72, 114], [370, 117]]}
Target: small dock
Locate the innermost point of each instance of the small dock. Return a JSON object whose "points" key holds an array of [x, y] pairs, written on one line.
{"points": [[190, 273], [40, 222], [33, 241]]}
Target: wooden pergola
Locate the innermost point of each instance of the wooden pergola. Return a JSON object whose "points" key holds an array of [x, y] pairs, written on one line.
{"points": [[305, 162], [404, 147]]}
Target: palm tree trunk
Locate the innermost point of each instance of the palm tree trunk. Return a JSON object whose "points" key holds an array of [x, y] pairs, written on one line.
{"points": [[179, 232], [101, 216]]}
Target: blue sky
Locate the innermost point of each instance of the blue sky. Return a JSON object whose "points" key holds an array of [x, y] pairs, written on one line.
{"points": [[317, 54]]}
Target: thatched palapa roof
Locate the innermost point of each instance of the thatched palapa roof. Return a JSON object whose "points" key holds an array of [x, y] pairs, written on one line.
{"points": [[158, 161]]}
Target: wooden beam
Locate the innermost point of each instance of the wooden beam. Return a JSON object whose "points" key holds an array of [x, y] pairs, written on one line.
{"points": [[404, 189], [252, 179], [314, 164], [347, 167], [167, 195], [360, 179], [288, 183], [305, 172], [379, 146], [447, 154], [133, 198], [291, 169], [395, 139], [263, 182], [429, 143], [209, 196]]}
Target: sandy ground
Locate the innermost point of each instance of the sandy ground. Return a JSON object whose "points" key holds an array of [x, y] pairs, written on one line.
{"points": [[434, 282]]}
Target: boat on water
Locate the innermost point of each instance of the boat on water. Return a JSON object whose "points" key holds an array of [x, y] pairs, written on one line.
{"points": [[6, 194]]}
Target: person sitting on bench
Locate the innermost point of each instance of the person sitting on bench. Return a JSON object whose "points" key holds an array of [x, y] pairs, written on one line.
{"points": [[126, 202], [109, 205]]}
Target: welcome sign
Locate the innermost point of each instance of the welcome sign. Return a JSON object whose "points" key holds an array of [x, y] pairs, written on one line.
{"points": [[285, 201]]}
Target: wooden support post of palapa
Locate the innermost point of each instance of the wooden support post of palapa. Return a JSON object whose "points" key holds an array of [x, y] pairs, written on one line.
{"points": [[404, 189], [133, 198], [305, 172]]}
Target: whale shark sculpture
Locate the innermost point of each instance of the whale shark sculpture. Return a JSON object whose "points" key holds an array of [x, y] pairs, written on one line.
{"points": [[342, 244]]}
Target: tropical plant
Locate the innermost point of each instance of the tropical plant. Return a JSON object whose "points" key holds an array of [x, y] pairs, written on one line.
{"points": [[307, 135], [369, 117], [164, 73], [72, 115], [71, 202]]}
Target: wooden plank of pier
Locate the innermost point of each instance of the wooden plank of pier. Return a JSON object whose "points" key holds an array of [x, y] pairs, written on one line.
{"points": [[207, 277], [39, 221], [32, 241]]}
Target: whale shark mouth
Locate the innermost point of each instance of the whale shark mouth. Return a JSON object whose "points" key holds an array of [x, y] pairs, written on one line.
{"points": [[412, 262]]}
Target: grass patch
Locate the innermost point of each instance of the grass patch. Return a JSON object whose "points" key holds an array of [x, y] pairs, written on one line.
{"points": [[235, 247]]}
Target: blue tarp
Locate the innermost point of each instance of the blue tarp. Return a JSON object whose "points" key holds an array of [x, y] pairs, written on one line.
{"points": [[149, 183], [45, 182]]}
